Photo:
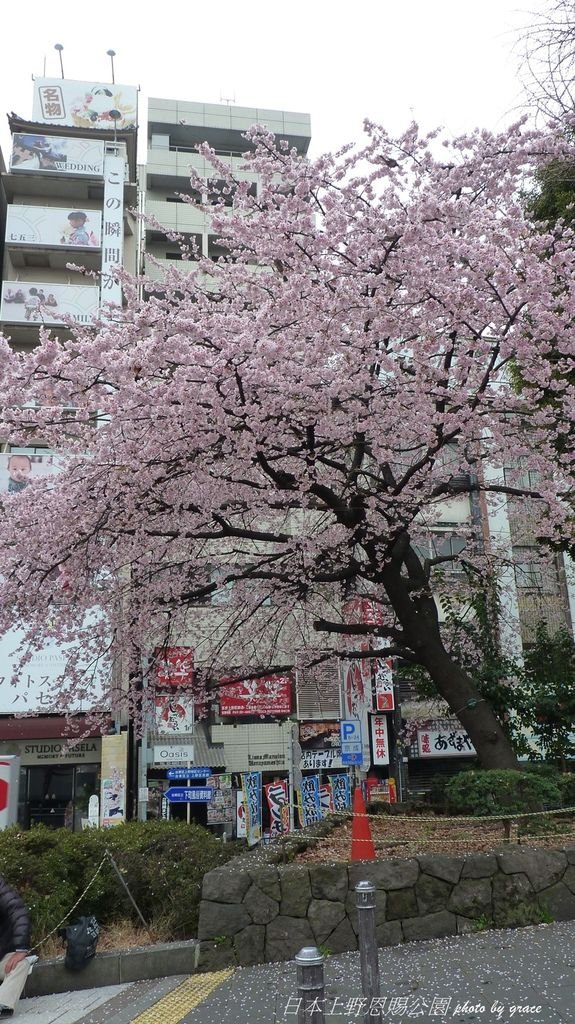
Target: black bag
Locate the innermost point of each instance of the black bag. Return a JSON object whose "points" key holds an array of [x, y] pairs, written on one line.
{"points": [[81, 940]]}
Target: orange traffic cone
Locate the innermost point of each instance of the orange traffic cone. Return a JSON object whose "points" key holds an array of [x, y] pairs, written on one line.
{"points": [[362, 847]]}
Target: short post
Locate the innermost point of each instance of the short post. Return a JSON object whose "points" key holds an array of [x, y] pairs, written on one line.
{"points": [[310, 986], [368, 955]]}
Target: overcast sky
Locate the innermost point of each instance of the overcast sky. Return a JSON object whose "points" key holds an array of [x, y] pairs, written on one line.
{"points": [[440, 62]]}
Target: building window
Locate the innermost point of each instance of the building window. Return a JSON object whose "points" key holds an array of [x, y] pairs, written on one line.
{"points": [[531, 573], [160, 142]]}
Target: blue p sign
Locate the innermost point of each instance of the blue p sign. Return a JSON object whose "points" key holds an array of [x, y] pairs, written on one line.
{"points": [[347, 730]]}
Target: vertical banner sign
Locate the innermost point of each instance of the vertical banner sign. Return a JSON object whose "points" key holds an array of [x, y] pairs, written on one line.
{"points": [[9, 780], [310, 800], [113, 786], [240, 815], [379, 741], [341, 792], [326, 800], [112, 228], [277, 798], [383, 678], [252, 789]]}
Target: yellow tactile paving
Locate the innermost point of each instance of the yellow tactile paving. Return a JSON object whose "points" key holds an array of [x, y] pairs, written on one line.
{"points": [[184, 998]]}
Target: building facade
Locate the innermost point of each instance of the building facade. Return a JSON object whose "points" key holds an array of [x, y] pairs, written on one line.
{"points": [[67, 188]]}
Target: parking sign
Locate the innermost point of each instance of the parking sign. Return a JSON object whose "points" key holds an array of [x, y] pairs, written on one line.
{"points": [[351, 747]]}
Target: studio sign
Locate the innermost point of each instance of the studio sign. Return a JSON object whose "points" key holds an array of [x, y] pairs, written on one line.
{"points": [[59, 750]]}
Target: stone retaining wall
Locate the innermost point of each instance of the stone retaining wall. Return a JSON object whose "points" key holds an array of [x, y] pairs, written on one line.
{"points": [[257, 912]]}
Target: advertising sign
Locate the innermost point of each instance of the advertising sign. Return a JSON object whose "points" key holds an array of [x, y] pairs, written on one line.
{"points": [[84, 104], [113, 785], [326, 800], [53, 226], [383, 678], [173, 666], [252, 793], [222, 807], [240, 815], [174, 713], [341, 792], [357, 673], [320, 744], [310, 800], [317, 759], [38, 302], [20, 468], [39, 681], [49, 154], [9, 781], [379, 740], [454, 743], [113, 228], [46, 751], [277, 798], [269, 695], [169, 754]]}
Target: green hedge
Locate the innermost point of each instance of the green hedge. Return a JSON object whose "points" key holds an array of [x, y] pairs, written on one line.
{"points": [[162, 862], [502, 791]]}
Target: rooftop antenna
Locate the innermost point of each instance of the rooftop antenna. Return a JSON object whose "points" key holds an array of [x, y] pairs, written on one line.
{"points": [[111, 55], [59, 48]]}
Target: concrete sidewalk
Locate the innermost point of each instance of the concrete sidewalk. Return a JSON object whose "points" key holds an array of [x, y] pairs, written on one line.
{"points": [[495, 976]]}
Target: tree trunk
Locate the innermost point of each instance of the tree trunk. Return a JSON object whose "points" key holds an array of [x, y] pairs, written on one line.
{"points": [[414, 605], [493, 747]]}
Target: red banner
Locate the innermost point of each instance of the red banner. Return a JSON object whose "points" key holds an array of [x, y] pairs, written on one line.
{"points": [[174, 666], [269, 695]]}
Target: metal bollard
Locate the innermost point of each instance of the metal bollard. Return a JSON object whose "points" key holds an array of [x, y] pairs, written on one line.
{"points": [[368, 955], [310, 986]]}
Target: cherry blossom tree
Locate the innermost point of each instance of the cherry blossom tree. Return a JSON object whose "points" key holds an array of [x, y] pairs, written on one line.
{"points": [[278, 431]]}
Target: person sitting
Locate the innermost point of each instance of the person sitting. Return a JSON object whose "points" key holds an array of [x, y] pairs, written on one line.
{"points": [[15, 962]]}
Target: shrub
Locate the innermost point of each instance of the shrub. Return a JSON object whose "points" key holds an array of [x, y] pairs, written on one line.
{"points": [[503, 791], [162, 862]]}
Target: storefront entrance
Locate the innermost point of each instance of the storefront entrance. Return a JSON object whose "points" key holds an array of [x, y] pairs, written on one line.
{"points": [[57, 795]]}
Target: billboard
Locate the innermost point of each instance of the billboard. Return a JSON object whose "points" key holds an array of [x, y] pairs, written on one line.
{"points": [[268, 695], [53, 226], [39, 678], [20, 468], [43, 303], [174, 666], [174, 713], [50, 154], [84, 104]]}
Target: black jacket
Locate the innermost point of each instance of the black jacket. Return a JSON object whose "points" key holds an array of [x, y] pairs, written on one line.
{"points": [[14, 921]]}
